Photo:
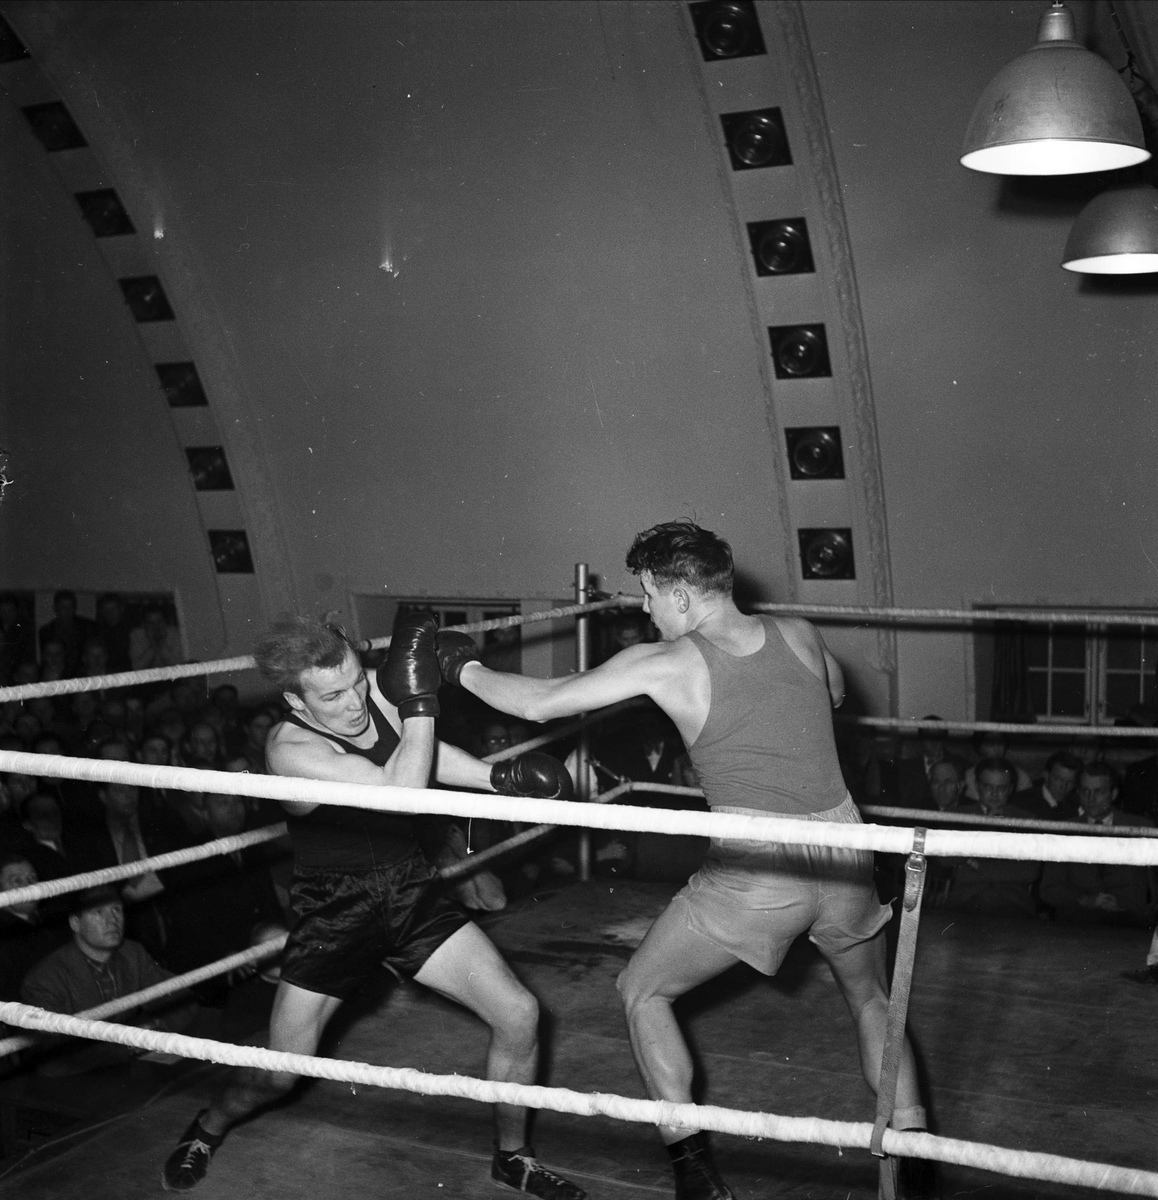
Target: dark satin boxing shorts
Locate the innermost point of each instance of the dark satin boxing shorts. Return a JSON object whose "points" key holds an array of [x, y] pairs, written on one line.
{"points": [[350, 921]]}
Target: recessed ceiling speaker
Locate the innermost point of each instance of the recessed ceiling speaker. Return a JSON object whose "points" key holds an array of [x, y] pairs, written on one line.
{"points": [[814, 452], [53, 125], [146, 298], [230, 550], [781, 247], [181, 384], [826, 553], [727, 29], [209, 468], [105, 213], [11, 47], [799, 351], [756, 139]]}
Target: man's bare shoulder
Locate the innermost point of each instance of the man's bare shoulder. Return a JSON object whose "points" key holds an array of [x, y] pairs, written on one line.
{"points": [[289, 739], [798, 628]]}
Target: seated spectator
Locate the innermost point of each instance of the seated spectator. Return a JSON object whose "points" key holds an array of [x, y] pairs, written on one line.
{"points": [[224, 715], [155, 643], [156, 751], [642, 746], [1140, 788], [997, 886], [53, 661], [912, 774], [946, 785], [94, 658], [493, 737], [1099, 893], [99, 964], [27, 728], [25, 937], [113, 629], [17, 640], [67, 629], [988, 745], [43, 821], [132, 825], [256, 728], [1053, 797], [171, 725], [217, 902], [14, 790], [201, 747]]}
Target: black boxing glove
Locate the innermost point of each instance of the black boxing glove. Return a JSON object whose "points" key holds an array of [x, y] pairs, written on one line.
{"points": [[410, 678], [455, 650], [532, 774]]}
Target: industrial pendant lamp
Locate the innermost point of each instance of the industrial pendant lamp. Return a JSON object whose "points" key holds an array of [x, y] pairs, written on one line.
{"points": [[1058, 109], [1115, 234]]}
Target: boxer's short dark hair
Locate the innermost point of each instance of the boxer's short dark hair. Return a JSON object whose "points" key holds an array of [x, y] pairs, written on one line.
{"points": [[682, 552], [296, 644]]}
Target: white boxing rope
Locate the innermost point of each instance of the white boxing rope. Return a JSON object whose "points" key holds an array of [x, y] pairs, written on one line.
{"points": [[963, 616], [1047, 731], [1049, 1167], [923, 816], [160, 862], [167, 987], [1038, 847], [245, 662]]}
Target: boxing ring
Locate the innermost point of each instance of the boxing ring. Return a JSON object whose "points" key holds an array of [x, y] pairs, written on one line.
{"points": [[1032, 841]]}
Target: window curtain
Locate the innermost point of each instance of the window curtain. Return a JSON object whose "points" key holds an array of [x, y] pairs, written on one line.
{"points": [[1011, 700]]}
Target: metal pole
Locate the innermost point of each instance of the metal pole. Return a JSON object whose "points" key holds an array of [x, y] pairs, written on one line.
{"points": [[583, 755]]}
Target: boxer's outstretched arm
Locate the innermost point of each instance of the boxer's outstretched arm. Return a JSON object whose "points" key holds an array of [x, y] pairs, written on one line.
{"points": [[644, 670]]}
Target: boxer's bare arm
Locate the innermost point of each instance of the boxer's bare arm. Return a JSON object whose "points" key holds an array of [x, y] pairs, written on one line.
{"points": [[457, 768], [304, 754], [673, 674]]}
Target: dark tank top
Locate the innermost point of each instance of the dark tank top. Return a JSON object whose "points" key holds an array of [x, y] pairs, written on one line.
{"points": [[767, 742], [353, 838]]}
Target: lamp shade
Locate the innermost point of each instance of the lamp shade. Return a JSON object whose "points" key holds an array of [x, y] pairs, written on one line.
{"points": [[1115, 234], [1058, 109]]}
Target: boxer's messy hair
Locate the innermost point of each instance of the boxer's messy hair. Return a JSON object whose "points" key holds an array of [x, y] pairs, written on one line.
{"points": [[682, 552], [292, 645]]}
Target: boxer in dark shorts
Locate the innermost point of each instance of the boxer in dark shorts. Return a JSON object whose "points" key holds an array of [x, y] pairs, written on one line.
{"points": [[752, 699], [365, 892]]}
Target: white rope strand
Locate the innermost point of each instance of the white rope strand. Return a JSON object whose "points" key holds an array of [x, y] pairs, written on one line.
{"points": [[245, 662], [167, 987], [159, 862], [1048, 1167], [962, 616], [1037, 847]]}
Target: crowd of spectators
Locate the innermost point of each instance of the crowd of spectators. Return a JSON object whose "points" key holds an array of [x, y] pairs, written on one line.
{"points": [[61, 953]]}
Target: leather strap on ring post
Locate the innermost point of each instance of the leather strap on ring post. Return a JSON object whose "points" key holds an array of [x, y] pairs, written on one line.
{"points": [[899, 1007]]}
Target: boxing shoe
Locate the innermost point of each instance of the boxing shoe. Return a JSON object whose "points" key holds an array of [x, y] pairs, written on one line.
{"points": [[455, 650], [1143, 974], [696, 1177], [519, 1169], [186, 1166], [532, 774], [410, 678]]}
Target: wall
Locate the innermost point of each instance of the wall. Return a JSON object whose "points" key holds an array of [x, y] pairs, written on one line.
{"points": [[1015, 401]]}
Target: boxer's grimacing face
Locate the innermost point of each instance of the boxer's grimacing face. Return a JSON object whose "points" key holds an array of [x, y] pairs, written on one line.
{"points": [[335, 697]]}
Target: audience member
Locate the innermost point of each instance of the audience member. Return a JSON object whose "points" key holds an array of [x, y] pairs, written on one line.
{"points": [[114, 630], [256, 728], [988, 745], [70, 630], [201, 747], [946, 785], [218, 901], [53, 660], [94, 658], [99, 964], [17, 640], [912, 774], [997, 886], [1140, 788], [131, 826], [25, 937], [43, 820], [1100, 893], [155, 643], [1053, 797]]}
